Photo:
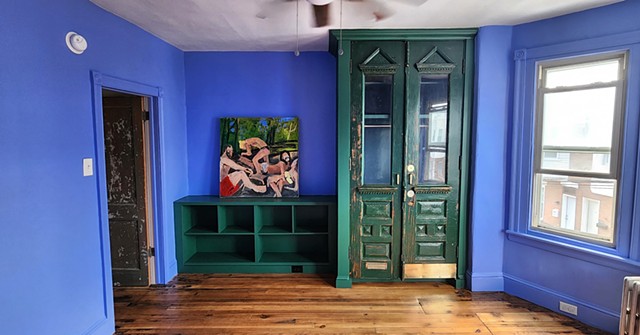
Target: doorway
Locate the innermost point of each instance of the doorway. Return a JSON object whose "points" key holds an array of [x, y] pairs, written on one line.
{"points": [[128, 184], [406, 148], [568, 212]]}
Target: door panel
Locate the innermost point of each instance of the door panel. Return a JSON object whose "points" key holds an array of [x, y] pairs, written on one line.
{"points": [[376, 234], [406, 119], [435, 84], [377, 115], [124, 157]]}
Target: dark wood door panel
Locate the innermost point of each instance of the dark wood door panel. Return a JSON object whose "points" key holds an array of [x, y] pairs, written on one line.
{"points": [[124, 157]]}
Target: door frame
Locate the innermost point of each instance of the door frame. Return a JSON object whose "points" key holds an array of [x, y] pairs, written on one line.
{"points": [[340, 47], [99, 82]]}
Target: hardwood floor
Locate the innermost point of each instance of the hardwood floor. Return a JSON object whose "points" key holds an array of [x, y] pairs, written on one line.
{"points": [[309, 304]]}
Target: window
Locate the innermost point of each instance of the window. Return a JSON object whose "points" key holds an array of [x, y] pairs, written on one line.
{"points": [[579, 104]]}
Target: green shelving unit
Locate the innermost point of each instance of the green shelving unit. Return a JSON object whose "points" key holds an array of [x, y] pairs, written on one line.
{"points": [[255, 235]]}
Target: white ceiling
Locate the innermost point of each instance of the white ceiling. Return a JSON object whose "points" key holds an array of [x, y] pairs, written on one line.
{"points": [[234, 25]]}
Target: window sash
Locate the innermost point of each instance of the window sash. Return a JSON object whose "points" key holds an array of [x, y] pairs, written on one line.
{"points": [[619, 85]]}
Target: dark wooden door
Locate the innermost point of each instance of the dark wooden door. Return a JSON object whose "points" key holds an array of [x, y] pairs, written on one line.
{"points": [[406, 141], [124, 151]]}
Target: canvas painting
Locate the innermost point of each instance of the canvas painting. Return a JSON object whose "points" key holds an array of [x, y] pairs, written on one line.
{"points": [[259, 157]]}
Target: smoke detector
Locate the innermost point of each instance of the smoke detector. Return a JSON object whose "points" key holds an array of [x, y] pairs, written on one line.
{"points": [[76, 43]]}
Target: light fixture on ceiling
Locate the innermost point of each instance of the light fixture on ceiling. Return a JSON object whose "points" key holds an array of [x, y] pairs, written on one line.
{"points": [[320, 2], [76, 43], [380, 9]]}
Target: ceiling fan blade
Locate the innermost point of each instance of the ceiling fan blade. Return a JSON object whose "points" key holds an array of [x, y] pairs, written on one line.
{"points": [[270, 9], [416, 3], [381, 11], [321, 13]]}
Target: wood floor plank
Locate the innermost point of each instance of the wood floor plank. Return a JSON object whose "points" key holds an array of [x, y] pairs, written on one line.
{"points": [[198, 304]]}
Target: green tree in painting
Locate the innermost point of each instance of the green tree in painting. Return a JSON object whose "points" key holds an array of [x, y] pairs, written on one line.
{"points": [[228, 133], [280, 133], [286, 137], [250, 127]]}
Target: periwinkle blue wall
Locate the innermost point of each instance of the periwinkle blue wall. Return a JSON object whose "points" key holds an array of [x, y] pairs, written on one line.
{"points": [[52, 278], [258, 84], [613, 19], [536, 271], [489, 157]]}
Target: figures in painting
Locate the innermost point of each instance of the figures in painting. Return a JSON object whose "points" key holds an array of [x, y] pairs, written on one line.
{"points": [[267, 165], [233, 176], [287, 179], [263, 151]]}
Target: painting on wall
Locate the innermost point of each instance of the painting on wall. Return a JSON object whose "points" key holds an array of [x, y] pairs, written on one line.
{"points": [[259, 157]]}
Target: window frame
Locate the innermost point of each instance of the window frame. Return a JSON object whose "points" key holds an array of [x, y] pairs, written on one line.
{"points": [[625, 255], [542, 69]]}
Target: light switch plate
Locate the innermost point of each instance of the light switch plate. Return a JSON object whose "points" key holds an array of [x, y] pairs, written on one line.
{"points": [[87, 167]]}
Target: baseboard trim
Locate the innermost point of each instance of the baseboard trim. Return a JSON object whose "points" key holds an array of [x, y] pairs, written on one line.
{"points": [[587, 313], [343, 282], [485, 281]]}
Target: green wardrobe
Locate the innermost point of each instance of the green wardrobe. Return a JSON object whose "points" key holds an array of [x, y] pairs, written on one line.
{"points": [[404, 108]]}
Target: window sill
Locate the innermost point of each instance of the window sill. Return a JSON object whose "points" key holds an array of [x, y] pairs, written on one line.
{"points": [[581, 253]]}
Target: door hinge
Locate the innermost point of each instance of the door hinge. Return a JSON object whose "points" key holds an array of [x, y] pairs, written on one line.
{"points": [[145, 116], [152, 252], [350, 66], [464, 63]]}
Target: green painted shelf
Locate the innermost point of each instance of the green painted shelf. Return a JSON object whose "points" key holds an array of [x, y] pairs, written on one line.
{"points": [[256, 235]]}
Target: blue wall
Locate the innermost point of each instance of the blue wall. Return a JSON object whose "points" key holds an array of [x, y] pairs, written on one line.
{"points": [[52, 263], [489, 157], [546, 273], [52, 276], [245, 84]]}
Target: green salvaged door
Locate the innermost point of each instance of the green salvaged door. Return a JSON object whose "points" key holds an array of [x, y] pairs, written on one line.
{"points": [[406, 116], [377, 83]]}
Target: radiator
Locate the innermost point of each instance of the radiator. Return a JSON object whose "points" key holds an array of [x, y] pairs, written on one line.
{"points": [[629, 323]]}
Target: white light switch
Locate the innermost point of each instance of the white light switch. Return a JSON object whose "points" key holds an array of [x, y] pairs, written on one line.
{"points": [[87, 167]]}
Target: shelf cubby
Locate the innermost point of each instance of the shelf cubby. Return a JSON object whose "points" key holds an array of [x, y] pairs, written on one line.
{"points": [[200, 219], [311, 219], [223, 249], [235, 219], [273, 219], [298, 249]]}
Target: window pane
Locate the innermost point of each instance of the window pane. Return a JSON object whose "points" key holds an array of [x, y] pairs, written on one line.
{"points": [[583, 208], [577, 130], [583, 74], [434, 109], [378, 92], [377, 100]]}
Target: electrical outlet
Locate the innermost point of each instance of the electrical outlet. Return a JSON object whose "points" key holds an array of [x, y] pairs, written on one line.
{"points": [[568, 308], [87, 167]]}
